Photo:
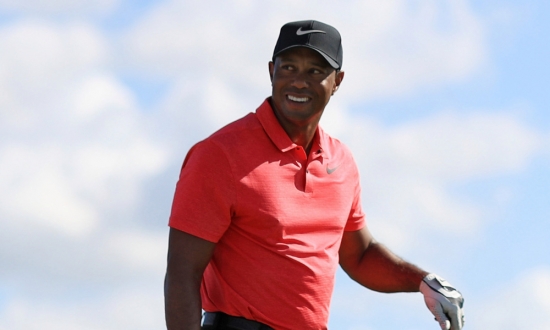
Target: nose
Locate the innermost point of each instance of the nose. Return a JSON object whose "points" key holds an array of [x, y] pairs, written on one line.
{"points": [[300, 80]]}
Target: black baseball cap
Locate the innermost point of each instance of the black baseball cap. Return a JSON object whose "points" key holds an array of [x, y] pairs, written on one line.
{"points": [[315, 35]]}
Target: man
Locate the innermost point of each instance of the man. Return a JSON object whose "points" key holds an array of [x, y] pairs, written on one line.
{"points": [[266, 208]]}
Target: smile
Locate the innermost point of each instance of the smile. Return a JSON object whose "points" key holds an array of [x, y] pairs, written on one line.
{"points": [[298, 99]]}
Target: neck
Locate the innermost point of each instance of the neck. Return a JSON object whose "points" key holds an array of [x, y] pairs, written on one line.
{"points": [[302, 136], [301, 132]]}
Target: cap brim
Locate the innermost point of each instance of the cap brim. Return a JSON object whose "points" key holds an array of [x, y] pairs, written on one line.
{"points": [[330, 61]]}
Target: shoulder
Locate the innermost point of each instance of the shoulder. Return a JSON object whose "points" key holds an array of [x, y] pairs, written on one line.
{"points": [[334, 146], [238, 126], [222, 138], [236, 132], [230, 142]]}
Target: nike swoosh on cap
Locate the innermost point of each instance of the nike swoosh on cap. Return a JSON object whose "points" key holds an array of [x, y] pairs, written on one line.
{"points": [[300, 32]]}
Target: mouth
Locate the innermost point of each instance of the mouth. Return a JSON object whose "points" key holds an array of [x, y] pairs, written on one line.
{"points": [[303, 99]]}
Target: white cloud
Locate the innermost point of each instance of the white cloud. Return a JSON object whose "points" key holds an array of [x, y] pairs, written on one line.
{"points": [[36, 189], [91, 157], [39, 64], [122, 309], [395, 47], [70, 7], [59, 184], [73, 141], [449, 146], [390, 47], [75, 153], [101, 93], [145, 251], [520, 304], [407, 169]]}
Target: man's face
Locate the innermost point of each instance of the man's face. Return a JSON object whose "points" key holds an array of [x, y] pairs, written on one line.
{"points": [[303, 83]]}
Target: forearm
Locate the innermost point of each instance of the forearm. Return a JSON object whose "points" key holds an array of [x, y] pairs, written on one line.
{"points": [[381, 270], [182, 303], [188, 257]]}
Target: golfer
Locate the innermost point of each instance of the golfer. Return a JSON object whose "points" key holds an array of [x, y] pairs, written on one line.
{"points": [[267, 207]]}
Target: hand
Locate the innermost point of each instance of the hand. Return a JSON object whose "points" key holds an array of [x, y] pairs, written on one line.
{"points": [[444, 301]]}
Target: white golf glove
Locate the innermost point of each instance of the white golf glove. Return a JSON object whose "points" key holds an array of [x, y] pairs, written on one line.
{"points": [[444, 301]]}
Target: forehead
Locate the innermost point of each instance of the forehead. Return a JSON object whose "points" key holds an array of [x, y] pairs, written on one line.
{"points": [[303, 54]]}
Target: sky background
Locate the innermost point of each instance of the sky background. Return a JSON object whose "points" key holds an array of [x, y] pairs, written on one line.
{"points": [[444, 105]]}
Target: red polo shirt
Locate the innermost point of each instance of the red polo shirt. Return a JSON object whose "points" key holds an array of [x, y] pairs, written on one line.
{"points": [[276, 215]]}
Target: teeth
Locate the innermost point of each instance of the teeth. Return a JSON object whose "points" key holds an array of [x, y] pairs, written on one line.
{"points": [[297, 99]]}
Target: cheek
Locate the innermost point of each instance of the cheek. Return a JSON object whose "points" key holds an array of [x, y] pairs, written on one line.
{"points": [[329, 84], [277, 82], [328, 89]]}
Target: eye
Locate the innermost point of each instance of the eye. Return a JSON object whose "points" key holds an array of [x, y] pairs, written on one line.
{"points": [[285, 66], [316, 71]]}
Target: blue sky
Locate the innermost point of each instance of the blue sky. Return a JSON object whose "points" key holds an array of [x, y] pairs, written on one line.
{"points": [[444, 104]]}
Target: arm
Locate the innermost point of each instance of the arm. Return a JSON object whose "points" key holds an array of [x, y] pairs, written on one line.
{"points": [[374, 266], [188, 256]]}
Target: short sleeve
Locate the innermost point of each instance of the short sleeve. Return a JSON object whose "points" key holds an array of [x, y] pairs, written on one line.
{"points": [[356, 218], [204, 196]]}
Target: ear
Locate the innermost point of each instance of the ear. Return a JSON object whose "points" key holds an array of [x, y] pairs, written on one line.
{"points": [[337, 81], [271, 68]]}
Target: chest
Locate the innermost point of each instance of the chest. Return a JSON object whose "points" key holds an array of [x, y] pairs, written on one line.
{"points": [[284, 199]]}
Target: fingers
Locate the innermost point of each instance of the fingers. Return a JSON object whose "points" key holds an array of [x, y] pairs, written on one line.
{"points": [[455, 324], [444, 301], [454, 313], [440, 317], [457, 320]]}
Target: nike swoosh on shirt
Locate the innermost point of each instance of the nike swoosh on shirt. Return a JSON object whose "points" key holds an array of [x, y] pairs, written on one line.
{"points": [[300, 32], [331, 170]]}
